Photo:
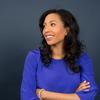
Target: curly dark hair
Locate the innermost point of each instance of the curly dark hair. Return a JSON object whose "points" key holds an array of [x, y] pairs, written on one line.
{"points": [[72, 46]]}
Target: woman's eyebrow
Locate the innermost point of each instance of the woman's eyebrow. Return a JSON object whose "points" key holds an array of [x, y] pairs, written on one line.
{"points": [[52, 21]]}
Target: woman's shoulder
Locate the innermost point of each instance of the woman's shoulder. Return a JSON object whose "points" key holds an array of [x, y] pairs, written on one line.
{"points": [[85, 59], [34, 52], [84, 55], [32, 58]]}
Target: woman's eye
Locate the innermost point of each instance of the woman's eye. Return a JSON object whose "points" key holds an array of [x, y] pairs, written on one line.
{"points": [[43, 26], [53, 24]]}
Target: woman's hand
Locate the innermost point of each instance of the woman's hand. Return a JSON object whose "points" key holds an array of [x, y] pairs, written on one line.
{"points": [[37, 92], [83, 86], [40, 92]]}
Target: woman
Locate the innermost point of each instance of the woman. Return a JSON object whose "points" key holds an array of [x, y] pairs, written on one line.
{"points": [[60, 69]]}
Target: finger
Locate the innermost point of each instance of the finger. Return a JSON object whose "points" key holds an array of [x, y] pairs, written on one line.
{"points": [[84, 87], [84, 83]]}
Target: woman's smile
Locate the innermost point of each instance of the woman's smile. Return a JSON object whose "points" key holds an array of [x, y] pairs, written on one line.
{"points": [[54, 30], [49, 37]]}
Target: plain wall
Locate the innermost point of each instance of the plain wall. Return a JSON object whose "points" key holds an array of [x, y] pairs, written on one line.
{"points": [[19, 33]]}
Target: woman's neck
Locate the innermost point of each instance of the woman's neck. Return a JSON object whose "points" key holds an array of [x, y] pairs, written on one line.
{"points": [[57, 51]]}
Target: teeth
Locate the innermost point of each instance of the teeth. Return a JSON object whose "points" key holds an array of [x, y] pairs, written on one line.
{"points": [[49, 36]]}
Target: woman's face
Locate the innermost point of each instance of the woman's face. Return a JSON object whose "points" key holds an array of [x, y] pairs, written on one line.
{"points": [[54, 30]]}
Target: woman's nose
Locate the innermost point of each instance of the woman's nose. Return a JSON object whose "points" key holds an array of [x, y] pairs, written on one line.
{"points": [[46, 29]]}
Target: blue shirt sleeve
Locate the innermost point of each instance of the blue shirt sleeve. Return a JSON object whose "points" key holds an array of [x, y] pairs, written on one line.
{"points": [[28, 86], [87, 74]]}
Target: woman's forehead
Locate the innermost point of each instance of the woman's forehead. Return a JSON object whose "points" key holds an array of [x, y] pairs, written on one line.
{"points": [[52, 18]]}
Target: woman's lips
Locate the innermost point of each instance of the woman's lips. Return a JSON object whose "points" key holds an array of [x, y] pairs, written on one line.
{"points": [[49, 37]]}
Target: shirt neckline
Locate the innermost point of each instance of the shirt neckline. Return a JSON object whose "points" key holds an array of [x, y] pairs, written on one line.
{"points": [[55, 59]]}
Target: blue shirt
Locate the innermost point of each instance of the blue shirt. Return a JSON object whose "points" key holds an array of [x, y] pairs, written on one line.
{"points": [[57, 77]]}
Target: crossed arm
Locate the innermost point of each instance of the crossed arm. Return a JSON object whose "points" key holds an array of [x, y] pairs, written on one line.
{"points": [[48, 95], [30, 92]]}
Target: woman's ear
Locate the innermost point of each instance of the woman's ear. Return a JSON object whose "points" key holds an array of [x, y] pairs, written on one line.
{"points": [[67, 30]]}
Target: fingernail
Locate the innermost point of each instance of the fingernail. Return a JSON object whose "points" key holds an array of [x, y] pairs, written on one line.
{"points": [[85, 81], [88, 82]]}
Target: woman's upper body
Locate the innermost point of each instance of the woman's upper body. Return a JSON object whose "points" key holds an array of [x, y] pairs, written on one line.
{"points": [[60, 64], [57, 77]]}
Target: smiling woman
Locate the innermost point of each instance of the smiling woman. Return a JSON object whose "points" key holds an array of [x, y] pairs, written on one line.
{"points": [[60, 69], [54, 30]]}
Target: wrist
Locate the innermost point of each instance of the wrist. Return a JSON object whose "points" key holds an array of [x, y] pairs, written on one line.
{"points": [[41, 94]]}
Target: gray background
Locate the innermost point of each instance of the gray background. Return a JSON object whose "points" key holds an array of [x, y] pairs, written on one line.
{"points": [[19, 33]]}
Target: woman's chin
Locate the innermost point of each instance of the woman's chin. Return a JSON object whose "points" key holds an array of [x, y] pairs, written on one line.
{"points": [[51, 44]]}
